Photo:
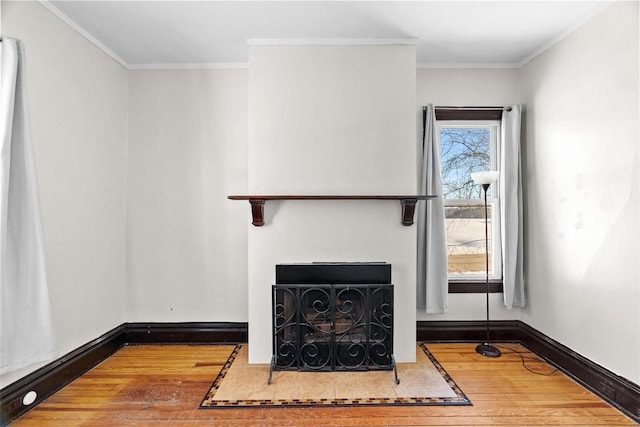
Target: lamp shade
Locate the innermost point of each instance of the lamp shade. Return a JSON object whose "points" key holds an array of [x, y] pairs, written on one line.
{"points": [[485, 177]]}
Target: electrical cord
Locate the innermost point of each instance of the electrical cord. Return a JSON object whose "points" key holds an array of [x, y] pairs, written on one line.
{"points": [[524, 360]]}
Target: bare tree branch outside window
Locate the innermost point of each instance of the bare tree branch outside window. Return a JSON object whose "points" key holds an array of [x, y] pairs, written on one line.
{"points": [[464, 150]]}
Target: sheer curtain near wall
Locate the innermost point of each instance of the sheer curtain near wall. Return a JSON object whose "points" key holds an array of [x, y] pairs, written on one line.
{"points": [[26, 328], [432, 276], [511, 225]]}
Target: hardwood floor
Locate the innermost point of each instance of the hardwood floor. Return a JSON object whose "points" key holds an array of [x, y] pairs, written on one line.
{"points": [[163, 386]]}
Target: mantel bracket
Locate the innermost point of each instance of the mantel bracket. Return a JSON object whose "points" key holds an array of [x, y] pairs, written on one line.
{"points": [[408, 209], [257, 212]]}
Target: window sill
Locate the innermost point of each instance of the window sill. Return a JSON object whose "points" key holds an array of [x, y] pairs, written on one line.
{"points": [[474, 286]]}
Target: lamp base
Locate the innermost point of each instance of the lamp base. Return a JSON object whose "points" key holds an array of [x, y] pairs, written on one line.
{"points": [[487, 350]]}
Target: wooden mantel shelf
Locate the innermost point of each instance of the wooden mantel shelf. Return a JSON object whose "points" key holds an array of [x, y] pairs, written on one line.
{"points": [[257, 204]]}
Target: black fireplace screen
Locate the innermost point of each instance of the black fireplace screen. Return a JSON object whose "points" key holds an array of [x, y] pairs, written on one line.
{"points": [[333, 326]]}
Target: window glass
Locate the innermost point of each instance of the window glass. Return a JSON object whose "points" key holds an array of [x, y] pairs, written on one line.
{"points": [[468, 147]]}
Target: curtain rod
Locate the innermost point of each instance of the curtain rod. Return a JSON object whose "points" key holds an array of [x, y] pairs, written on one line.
{"points": [[444, 107]]}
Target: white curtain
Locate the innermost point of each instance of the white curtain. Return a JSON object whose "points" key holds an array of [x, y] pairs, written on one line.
{"points": [[433, 285], [26, 329], [511, 230]]}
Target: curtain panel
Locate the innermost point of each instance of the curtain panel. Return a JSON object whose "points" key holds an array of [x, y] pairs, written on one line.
{"points": [[432, 275], [511, 208], [26, 328]]}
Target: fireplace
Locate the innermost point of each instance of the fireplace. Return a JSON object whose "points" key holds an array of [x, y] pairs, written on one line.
{"points": [[333, 317]]}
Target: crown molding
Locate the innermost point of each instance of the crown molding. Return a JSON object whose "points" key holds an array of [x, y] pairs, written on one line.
{"points": [[84, 33], [373, 41], [576, 26], [467, 65], [191, 66]]}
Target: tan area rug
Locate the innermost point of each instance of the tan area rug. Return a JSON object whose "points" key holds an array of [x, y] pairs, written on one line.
{"points": [[241, 384]]}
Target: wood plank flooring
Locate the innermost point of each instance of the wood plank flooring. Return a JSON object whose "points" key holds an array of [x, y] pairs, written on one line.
{"points": [[163, 386]]}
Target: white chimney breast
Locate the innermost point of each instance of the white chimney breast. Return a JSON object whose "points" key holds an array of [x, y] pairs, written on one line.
{"points": [[337, 120]]}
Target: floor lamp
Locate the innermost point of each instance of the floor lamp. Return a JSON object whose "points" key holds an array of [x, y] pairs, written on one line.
{"points": [[485, 179]]}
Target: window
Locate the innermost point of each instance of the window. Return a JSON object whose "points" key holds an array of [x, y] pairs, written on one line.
{"points": [[469, 146]]}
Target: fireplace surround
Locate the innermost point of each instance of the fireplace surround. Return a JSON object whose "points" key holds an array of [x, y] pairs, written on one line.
{"points": [[333, 317]]}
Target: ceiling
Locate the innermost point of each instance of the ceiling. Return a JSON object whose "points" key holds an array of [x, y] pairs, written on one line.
{"points": [[178, 34]]}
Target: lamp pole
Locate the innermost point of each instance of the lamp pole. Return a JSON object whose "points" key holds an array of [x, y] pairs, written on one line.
{"points": [[485, 179]]}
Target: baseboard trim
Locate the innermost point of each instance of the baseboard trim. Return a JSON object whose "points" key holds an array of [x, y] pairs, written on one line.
{"points": [[55, 375], [467, 331], [616, 390], [191, 332]]}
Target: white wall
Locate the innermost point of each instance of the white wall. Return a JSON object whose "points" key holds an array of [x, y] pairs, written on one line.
{"points": [[582, 178], [187, 250], [331, 120], [489, 87], [187, 244], [78, 100]]}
